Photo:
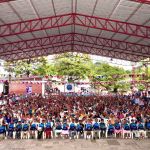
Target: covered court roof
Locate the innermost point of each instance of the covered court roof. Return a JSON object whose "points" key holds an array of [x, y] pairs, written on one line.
{"points": [[112, 28]]}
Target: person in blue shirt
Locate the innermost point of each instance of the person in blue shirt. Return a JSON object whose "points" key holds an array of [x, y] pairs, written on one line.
{"points": [[48, 129], [88, 129], [72, 129], [126, 130], [41, 127], [10, 130], [141, 129], [79, 129], [147, 127], [96, 129], [102, 128], [15, 120], [18, 130], [65, 130], [25, 130], [3, 130], [134, 129], [58, 129], [33, 129], [8, 119], [111, 129], [118, 129]]}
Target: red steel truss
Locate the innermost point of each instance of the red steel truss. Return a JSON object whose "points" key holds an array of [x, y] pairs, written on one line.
{"points": [[75, 19], [55, 46], [142, 1], [3, 1], [35, 43], [26, 54], [78, 47], [104, 52], [125, 47]]}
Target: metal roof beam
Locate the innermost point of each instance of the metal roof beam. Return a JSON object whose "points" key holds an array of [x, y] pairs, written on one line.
{"points": [[135, 49], [23, 54], [36, 53], [75, 19], [107, 53], [77, 48], [113, 25], [142, 1], [35, 25]]}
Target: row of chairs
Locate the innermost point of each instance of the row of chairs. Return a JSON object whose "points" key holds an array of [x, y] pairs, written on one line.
{"points": [[46, 134]]}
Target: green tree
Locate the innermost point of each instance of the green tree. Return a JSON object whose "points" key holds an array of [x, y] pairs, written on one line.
{"points": [[34, 66], [74, 65], [112, 74]]}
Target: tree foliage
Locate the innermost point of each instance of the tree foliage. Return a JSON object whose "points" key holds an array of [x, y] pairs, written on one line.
{"points": [[106, 72], [75, 65], [34, 66]]}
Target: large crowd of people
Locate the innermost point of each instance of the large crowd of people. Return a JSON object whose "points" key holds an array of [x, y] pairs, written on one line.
{"points": [[58, 116]]}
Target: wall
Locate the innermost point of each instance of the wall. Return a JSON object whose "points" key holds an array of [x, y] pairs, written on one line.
{"points": [[20, 88]]}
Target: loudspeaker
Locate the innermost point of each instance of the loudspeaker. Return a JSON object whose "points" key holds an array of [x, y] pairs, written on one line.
{"points": [[6, 88]]}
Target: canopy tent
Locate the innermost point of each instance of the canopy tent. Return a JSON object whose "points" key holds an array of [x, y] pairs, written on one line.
{"points": [[112, 28]]}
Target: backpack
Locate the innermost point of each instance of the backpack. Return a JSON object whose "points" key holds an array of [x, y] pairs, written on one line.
{"points": [[72, 126], [25, 127], [96, 126], [148, 126], [19, 127], [133, 126], [111, 128], [126, 127], [33, 127], [58, 127], [117, 126], [11, 127], [140, 127], [88, 126], [2, 129], [65, 127], [79, 127], [102, 126], [48, 125]]}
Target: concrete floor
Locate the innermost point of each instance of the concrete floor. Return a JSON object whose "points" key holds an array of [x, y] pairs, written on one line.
{"points": [[58, 144]]}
